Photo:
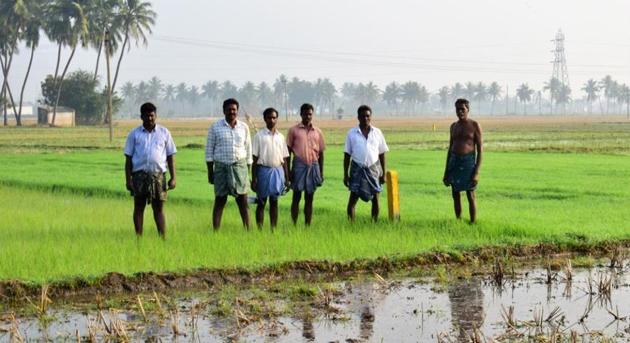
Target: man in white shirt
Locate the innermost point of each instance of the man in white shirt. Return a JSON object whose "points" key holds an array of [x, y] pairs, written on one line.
{"points": [[364, 157], [270, 171], [228, 157], [149, 151]]}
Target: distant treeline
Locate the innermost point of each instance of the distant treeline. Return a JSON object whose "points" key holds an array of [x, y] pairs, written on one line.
{"points": [[605, 96]]}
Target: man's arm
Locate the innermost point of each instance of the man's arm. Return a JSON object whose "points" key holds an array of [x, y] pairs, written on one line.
{"points": [[254, 175], [285, 167], [210, 155], [320, 160], [346, 165], [210, 166], [128, 169], [448, 155], [170, 162], [288, 163], [381, 159], [479, 147]]}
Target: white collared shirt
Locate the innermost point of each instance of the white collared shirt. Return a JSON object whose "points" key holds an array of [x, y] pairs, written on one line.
{"points": [[148, 149], [270, 148], [228, 145], [365, 151]]}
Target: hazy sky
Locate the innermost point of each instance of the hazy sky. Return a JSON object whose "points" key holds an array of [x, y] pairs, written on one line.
{"points": [[433, 42]]}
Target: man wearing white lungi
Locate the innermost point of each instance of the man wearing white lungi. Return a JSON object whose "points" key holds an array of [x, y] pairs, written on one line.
{"points": [[364, 162]]}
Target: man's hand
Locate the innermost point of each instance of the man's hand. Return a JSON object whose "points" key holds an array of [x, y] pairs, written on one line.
{"points": [[254, 185], [172, 183], [211, 177], [474, 180], [381, 179], [346, 181], [129, 186], [446, 181]]}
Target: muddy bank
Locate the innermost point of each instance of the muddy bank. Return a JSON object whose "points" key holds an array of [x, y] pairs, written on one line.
{"points": [[201, 279]]}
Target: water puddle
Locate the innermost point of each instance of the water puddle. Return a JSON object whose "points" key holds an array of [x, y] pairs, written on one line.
{"points": [[540, 304]]}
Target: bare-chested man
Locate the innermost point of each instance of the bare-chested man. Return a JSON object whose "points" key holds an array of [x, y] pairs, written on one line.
{"points": [[463, 159]]}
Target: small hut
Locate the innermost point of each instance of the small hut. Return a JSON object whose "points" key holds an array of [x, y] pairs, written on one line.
{"points": [[65, 116]]}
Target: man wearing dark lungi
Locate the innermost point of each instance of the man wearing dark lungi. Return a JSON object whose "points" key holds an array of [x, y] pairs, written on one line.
{"points": [[306, 144], [364, 158], [149, 151], [228, 157], [270, 171], [463, 159]]}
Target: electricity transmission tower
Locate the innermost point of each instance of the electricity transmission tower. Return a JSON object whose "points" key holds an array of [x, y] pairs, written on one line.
{"points": [[560, 60]]}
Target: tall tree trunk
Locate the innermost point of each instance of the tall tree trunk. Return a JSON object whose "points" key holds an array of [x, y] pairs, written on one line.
{"points": [[122, 52], [58, 62], [28, 71], [63, 74], [6, 65], [98, 59]]}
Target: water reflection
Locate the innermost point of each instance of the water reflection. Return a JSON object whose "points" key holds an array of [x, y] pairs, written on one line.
{"points": [[467, 312]]}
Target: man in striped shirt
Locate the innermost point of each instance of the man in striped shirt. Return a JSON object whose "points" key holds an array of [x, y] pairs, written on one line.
{"points": [[228, 158]]}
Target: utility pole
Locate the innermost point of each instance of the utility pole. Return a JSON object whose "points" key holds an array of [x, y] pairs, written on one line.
{"points": [[286, 100], [109, 85], [507, 99]]}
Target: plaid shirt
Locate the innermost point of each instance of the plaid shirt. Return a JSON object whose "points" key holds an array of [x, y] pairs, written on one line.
{"points": [[228, 145]]}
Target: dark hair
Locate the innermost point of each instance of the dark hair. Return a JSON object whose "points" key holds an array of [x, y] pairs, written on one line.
{"points": [[363, 108], [268, 111], [147, 108], [230, 101], [306, 107], [462, 101]]}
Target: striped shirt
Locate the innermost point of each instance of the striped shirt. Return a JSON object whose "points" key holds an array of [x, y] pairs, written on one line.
{"points": [[228, 145], [148, 149]]}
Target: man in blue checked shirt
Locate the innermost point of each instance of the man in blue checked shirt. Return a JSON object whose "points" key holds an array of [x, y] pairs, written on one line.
{"points": [[228, 158], [149, 151]]}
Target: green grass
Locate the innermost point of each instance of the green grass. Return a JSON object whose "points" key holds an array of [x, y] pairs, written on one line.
{"points": [[65, 212]]}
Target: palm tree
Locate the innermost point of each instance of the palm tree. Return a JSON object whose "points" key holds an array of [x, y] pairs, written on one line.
{"points": [[66, 25], [136, 20], [553, 86], [524, 94], [470, 91], [247, 96], [457, 91], [210, 91], [444, 93], [12, 18], [494, 91], [591, 89], [624, 94], [608, 85], [181, 96], [410, 95], [324, 94], [564, 96], [264, 94], [391, 95], [423, 97], [155, 88], [193, 96], [169, 93], [280, 93], [228, 90], [481, 94], [31, 26], [128, 92], [104, 16]]}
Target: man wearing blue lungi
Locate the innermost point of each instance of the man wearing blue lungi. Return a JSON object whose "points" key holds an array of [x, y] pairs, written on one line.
{"points": [[364, 158], [270, 168], [464, 159]]}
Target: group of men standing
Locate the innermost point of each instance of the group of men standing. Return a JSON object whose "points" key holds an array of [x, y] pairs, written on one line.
{"points": [[279, 165]]}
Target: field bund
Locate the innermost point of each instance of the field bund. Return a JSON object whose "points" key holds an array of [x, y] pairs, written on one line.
{"points": [[562, 182]]}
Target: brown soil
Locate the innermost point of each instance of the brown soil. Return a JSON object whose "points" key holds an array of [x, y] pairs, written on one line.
{"points": [[201, 279]]}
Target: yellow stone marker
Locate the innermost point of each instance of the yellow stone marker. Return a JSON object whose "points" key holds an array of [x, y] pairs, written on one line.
{"points": [[393, 204]]}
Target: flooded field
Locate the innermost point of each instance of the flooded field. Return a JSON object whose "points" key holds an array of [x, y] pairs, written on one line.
{"points": [[539, 304]]}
